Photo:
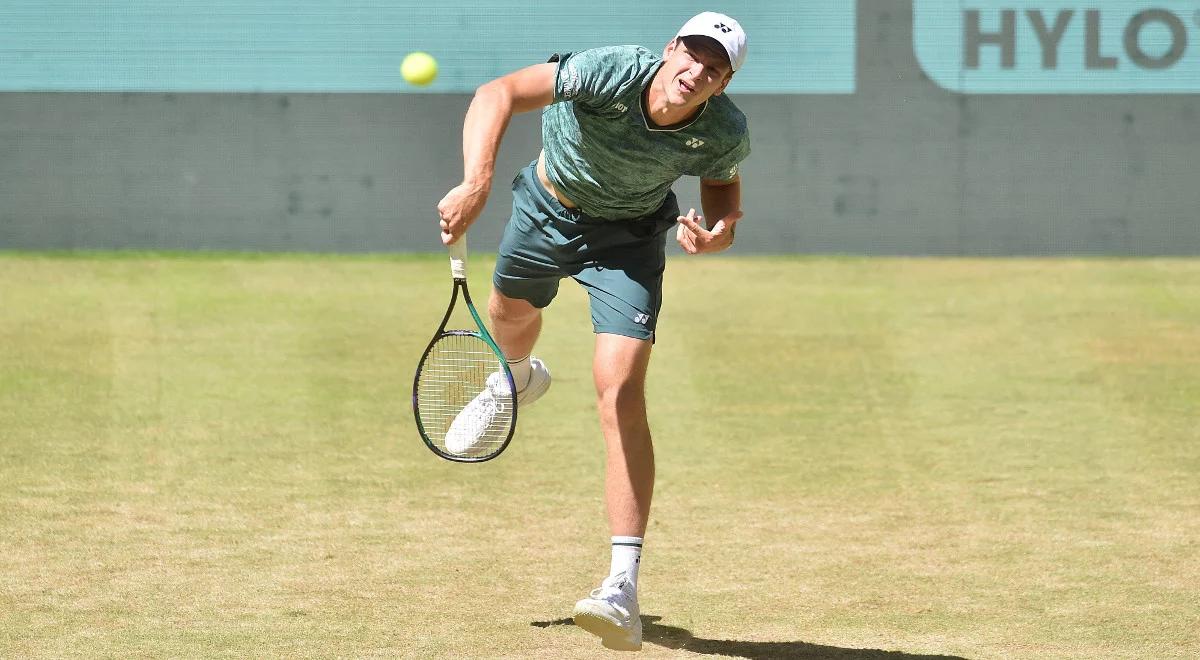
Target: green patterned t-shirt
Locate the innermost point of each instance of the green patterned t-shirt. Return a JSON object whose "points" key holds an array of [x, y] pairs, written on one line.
{"points": [[604, 155]]}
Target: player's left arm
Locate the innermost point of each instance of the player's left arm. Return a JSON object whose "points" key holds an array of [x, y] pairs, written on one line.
{"points": [[720, 199]]}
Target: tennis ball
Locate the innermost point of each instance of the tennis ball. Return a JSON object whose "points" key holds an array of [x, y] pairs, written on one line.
{"points": [[419, 68]]}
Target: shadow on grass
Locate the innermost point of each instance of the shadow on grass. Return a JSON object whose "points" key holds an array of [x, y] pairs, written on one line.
{"points": [[679, 638]]}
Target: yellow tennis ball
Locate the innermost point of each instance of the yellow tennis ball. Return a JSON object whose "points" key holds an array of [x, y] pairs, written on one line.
{"points": [[419, 68]]}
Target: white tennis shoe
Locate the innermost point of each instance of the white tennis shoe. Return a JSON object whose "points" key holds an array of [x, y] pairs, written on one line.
{"points": [[477, 420], [611, 613]]}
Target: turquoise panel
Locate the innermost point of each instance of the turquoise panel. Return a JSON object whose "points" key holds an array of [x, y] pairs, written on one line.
{"points": [[1101, 47], [345, 46]]}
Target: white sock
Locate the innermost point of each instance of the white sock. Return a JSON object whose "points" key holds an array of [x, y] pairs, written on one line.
{"points": [[521, 371], [626, 557]]}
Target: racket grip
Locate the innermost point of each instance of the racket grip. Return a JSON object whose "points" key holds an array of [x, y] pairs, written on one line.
{"points": [[458, 258]]}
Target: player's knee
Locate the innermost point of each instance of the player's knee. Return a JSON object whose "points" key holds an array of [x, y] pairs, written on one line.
{"points": [[618, 393]]}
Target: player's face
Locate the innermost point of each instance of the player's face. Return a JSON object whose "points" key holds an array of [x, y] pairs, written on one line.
{"points": [[694, 75]]}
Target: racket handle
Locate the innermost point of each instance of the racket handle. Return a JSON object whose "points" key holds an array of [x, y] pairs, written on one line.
{"points": [[458, 258]]}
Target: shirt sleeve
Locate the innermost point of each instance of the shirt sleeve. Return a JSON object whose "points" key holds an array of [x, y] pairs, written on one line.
{"points": [[728, 164], [593, 78]]}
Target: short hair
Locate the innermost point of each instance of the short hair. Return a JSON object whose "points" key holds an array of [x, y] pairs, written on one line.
{"points": [[698, 43]]}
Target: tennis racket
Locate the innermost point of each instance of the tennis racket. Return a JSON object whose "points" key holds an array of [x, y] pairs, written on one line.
{"points": [[464, 397]]}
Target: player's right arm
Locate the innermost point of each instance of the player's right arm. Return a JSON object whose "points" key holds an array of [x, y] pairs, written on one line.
{"points": [[493, 106]]}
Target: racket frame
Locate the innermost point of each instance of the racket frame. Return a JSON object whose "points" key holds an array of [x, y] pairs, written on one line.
{"points": [[458, 272]]}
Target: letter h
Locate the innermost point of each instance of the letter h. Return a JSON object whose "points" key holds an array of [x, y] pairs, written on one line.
{"points": [[1006, 38]]}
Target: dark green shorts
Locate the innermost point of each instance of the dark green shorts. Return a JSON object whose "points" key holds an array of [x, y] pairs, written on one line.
{"points": [[619, 262]]}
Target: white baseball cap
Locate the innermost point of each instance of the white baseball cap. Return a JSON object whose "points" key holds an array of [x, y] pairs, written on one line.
{"points": [[724, 29]]}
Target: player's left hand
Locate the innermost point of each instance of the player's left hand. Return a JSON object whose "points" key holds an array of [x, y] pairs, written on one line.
{"points": [[695, 239]]}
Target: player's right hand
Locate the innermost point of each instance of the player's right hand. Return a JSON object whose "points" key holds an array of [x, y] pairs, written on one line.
{"points": [[459, 208]]}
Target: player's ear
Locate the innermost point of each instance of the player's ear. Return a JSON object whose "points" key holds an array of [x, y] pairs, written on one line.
{"points": [[724, 83], [670, 47]]}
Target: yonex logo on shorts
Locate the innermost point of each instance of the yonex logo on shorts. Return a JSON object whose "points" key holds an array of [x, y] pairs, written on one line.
{"points": [[641, 318], [694, 143]]}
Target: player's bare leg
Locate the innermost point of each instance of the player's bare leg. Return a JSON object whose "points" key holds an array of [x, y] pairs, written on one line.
{"points": [[516, 324], [619, 370]]}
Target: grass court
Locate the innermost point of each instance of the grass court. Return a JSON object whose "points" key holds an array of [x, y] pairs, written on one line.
{"points": [[214, 456]]}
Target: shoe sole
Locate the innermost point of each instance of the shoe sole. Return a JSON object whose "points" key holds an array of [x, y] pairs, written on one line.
{"points": [[612, 636]]}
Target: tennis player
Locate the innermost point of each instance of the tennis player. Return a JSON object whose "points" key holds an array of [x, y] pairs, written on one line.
{"points": [[620, 125]]}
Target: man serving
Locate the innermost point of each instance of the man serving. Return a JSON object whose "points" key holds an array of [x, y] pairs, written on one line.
{"points": [[620, 125]]}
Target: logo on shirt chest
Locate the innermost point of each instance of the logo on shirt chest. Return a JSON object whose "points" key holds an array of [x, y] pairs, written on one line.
{"points": [[620, 107], [694, 143]]}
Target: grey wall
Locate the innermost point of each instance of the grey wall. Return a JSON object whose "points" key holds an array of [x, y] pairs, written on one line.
{"points": [[900, 167]]}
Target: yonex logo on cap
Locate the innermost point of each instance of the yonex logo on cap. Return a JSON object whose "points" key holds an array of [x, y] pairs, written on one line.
{"points": [[724, 28]]}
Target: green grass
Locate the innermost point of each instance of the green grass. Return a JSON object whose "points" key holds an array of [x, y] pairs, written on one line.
{"points": [[214, 456]]}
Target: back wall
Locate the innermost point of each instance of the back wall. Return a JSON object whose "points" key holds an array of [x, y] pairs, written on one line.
{"points": [[864, 148]]}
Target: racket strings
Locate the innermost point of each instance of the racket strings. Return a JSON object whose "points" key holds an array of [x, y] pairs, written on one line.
{"points": [[463, 397]]}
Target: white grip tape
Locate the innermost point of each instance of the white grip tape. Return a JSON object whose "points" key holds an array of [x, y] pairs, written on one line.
{"points": [[458, 258]]}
